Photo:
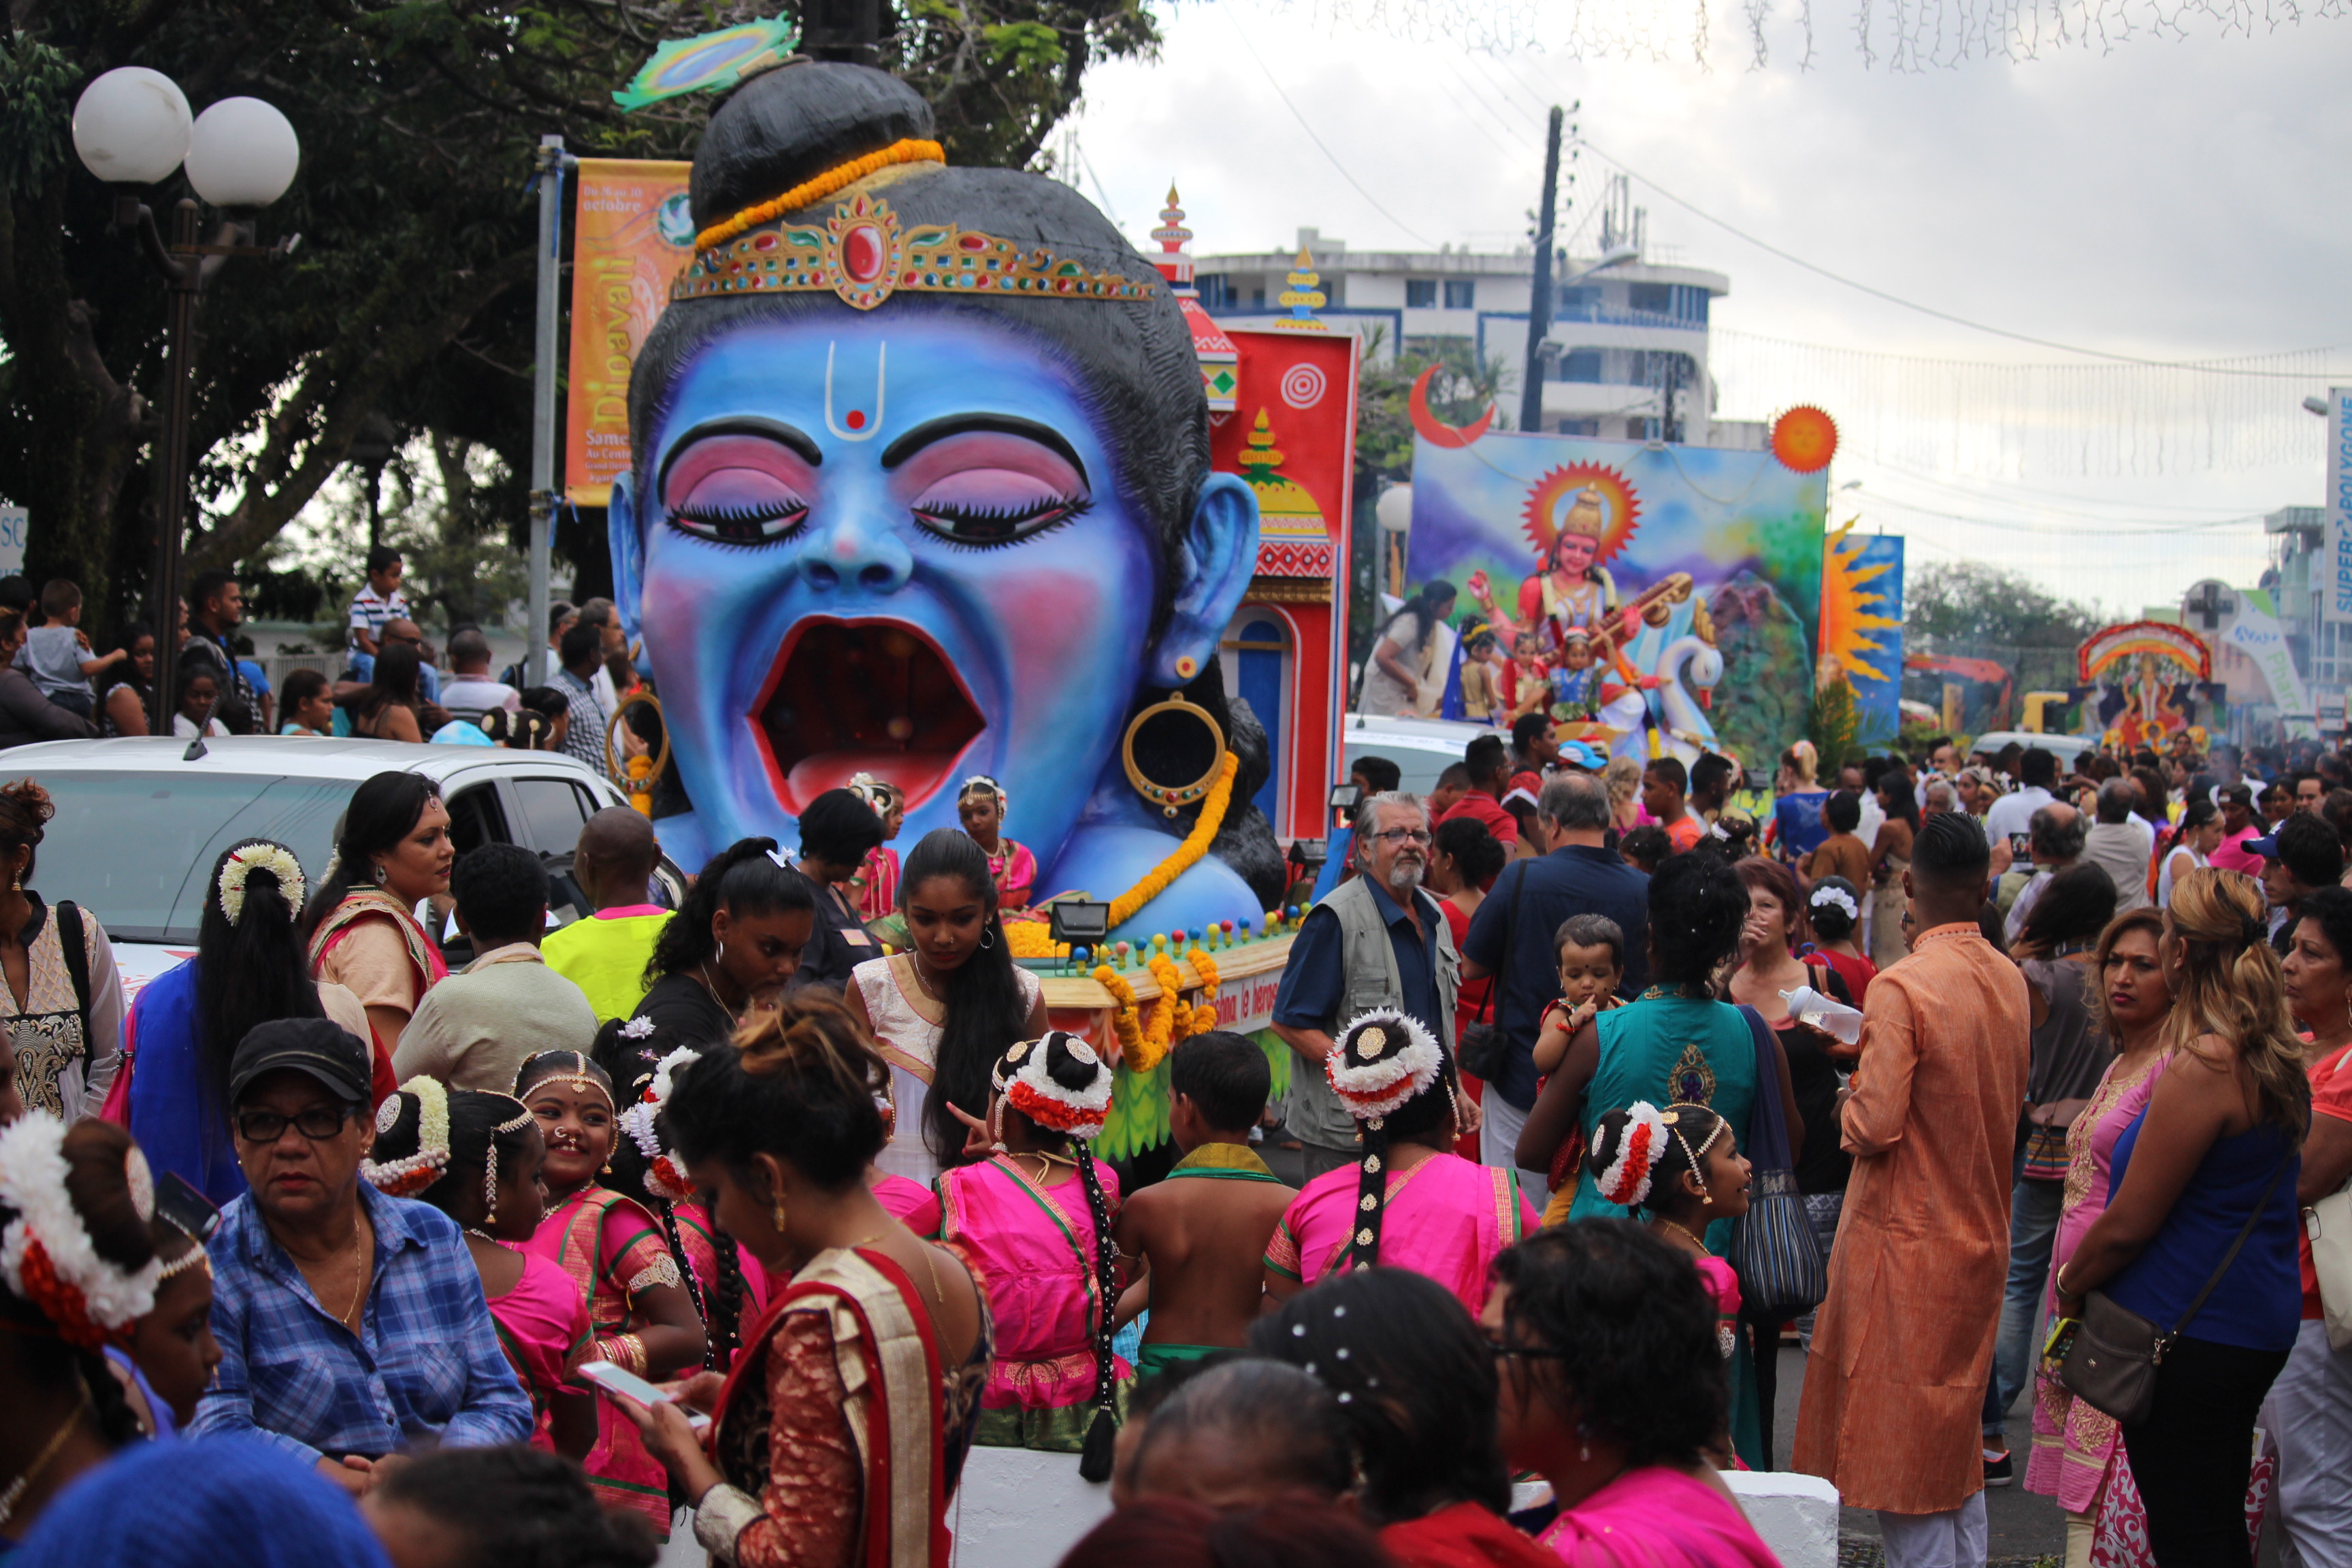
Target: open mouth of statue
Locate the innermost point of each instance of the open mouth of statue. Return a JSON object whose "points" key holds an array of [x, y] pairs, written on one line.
{"points": [[852, 697]]}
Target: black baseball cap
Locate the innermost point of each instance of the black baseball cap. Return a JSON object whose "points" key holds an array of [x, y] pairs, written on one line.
{"points": [[2306, 847], [319, 1047]]}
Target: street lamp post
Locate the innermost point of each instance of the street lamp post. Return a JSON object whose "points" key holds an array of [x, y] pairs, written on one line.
{"points": [[132, 127]]}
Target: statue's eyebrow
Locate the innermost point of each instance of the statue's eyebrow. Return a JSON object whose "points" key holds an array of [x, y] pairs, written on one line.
{"points": [[925, 434], [775, 430]]}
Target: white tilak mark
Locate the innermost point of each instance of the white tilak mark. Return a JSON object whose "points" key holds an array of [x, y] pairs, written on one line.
{"points": [[874, 427]]}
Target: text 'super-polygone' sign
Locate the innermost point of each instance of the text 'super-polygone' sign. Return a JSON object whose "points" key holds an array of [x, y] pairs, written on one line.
{"points": [[632, 234], [2335, 601]]}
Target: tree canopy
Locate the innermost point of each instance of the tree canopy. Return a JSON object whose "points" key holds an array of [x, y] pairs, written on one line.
{"points": [[1969, 610], [409, 296]]}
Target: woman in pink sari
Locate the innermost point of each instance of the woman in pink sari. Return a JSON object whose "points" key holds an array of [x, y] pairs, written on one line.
{"points": [[2077, 1451], [477, 1157], [614, 1253], [394, 852], [1612, 1389], [1035, 1219], [1411, 1201]]}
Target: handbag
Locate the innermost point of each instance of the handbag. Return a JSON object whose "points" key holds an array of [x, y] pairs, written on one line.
{"points": [[1773, 1248], [1484, 1050], [2329, 1223], [2111, 1364]]}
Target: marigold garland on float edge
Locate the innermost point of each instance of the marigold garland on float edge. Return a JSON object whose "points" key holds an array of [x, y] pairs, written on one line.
{"points": [[1196, 843]]}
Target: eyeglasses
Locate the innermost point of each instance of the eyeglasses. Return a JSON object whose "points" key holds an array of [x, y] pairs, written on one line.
{"points": [[1403, 836], [404, 636], [319, 1123], [1525, 1352]]}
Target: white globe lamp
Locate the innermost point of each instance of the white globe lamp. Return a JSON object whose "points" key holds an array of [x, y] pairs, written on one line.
{"points": [[241, 153], [131, 126], [1394, 509]]}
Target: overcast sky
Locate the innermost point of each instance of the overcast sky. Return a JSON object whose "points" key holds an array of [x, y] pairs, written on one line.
{"points": [[2168, 199]]}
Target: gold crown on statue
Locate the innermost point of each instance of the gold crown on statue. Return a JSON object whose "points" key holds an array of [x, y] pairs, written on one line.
{"points": [[865, 255]]}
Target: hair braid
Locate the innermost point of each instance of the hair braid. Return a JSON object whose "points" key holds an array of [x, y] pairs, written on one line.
{"points": [[725, 1338], [118, 1423], [1095, 1461], [1371, 1194], [669, 1213]]}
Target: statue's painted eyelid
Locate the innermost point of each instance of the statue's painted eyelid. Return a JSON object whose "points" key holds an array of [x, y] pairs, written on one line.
{"points": [[995, 527], [764, 525]]}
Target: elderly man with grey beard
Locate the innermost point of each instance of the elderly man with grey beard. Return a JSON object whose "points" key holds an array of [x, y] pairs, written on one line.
{"points": [[1378, 941]]}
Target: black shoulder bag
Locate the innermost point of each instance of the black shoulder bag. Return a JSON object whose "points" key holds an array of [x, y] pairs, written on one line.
{"points": [[1484, 1050]]}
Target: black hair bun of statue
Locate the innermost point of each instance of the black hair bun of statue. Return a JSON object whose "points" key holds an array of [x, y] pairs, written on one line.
{"points": [[791, 124]]}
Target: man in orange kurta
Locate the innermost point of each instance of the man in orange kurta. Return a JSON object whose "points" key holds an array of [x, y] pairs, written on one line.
{"points": [[1895, 1384]]}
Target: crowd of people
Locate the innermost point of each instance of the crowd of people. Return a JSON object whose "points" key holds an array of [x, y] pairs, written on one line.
{"points": [[752, 1217], [390, 684]]}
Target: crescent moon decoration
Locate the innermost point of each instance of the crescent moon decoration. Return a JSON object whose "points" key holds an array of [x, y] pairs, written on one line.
{"points": [[1549, 498], [1804, 439], [1432, 429]]}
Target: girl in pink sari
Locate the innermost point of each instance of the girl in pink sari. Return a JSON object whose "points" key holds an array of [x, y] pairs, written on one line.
{"points": [[477, 1157], [1411, 1201], [1682, 1170], [1035, 1219], [613, 1252], [2077, 1451], [1612, 1389], [394, 852], [980, 806]]}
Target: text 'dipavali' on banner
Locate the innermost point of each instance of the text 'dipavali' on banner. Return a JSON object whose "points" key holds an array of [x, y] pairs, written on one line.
{"points": [[632, 235]]}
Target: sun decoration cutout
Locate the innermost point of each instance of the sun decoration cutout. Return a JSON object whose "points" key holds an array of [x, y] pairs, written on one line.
{"points": [[1552, 495], [1850, 608], [1804, 439]]}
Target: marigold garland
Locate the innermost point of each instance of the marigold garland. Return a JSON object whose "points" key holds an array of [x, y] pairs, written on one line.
{"points": [[1204, 1011], [840, 177], [1034, 939], [1195, 845], [1123, 1021]]}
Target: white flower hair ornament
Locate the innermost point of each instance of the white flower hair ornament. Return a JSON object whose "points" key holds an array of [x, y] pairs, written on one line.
{"points": [[1824, 898], [412, 1174], [641, 1122], [637, 1029], [1025, 1076], [45, 1253], [247, 859], [1626, 1181], [1383, 1060]]}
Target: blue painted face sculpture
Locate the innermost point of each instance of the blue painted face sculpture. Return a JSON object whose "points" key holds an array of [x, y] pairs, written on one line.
{"points": [[918, 541]]}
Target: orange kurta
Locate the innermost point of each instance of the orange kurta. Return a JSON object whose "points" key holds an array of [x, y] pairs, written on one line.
{"points": [[1895, 1386]]}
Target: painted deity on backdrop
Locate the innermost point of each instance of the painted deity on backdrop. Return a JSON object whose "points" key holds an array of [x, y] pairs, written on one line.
{"points": [[921, 490], [1633, 676]]}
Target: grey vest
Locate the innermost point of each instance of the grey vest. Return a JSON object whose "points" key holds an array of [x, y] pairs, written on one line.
{"points": [[1312, 1111]]}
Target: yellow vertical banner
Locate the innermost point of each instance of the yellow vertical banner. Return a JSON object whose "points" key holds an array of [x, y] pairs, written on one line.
{"points": [[632, 234]]}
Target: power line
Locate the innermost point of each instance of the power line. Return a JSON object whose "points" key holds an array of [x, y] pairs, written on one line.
{"points": [[2206, 368], [1273, 83]]}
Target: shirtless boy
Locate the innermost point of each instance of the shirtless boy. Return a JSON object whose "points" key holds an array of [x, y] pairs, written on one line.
{"points": [[1200, 1235]]}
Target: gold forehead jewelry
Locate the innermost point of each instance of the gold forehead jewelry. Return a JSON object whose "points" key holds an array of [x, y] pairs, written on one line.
{"points": [[865, 254], [577, 1080]]}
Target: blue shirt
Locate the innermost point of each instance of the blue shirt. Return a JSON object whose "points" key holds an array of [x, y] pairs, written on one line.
{"points": [[1799, 813], [1574, 880], [1315, 982], [427, 1365], [2258, 1303]]}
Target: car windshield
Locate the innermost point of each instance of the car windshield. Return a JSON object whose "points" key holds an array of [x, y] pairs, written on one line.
{"points": [[134, 848]]}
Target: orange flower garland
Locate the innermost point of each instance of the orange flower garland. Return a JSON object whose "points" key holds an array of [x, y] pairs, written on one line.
{"points": [[1195, 845], [1122, 1019], [1204, 1011]]}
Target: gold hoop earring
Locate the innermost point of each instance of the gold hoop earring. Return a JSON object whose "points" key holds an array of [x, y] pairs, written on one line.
{"points": [[1171, 797]]}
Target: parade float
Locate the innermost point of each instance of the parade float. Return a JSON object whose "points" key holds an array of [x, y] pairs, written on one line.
{"points": [[1681, 600], [2139, 682], [924, 472]]}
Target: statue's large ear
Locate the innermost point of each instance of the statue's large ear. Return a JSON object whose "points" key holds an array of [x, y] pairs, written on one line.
{"points": [[625, 542], [1212, 572]]}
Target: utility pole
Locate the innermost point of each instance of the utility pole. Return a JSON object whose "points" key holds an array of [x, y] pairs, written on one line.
{"points": [[1539, 299], [844, 30], [551, 165]]}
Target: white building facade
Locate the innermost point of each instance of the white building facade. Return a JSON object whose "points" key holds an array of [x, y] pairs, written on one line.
{"points": [[1626, 357]]}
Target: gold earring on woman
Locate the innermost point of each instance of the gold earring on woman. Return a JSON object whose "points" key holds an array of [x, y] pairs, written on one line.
{"points": [[777, 1217]]}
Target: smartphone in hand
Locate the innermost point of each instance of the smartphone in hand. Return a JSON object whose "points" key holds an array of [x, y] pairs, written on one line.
{"points": [[609, 1378]]}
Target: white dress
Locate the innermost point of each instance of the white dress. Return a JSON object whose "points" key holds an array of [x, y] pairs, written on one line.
{"points": [[907, 1026]]}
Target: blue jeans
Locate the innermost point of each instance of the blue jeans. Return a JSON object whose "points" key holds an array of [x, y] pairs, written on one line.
{"points": [[2033, 1210]]}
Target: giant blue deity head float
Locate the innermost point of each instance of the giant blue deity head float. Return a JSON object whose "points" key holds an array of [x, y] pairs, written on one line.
{"points": [[920, 488]]}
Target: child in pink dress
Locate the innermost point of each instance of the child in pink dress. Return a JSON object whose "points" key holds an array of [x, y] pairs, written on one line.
{"points": [[1682, 1170], [1035, 1219], [620, 1267], [477, 1157]]}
